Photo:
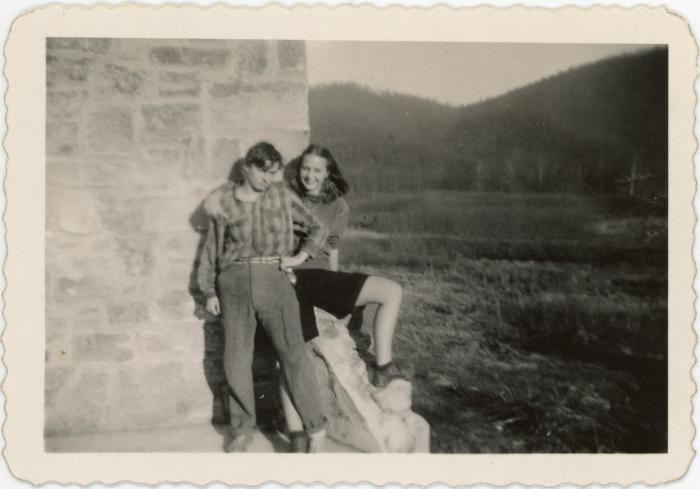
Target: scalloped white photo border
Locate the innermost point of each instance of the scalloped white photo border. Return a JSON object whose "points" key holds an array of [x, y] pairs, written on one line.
{"points": [[23, 338]]}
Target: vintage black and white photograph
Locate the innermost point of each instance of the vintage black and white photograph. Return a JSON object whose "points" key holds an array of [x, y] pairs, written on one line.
{"points": [[344, 246]]}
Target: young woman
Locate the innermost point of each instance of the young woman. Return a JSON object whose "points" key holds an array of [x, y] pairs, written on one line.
{"points": [[316, 177]]}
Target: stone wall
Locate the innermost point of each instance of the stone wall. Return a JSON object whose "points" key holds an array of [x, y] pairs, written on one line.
{"points": [[137, 133]]}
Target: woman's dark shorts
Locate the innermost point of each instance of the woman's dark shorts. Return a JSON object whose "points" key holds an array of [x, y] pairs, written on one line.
{"points": [[334, 292]]}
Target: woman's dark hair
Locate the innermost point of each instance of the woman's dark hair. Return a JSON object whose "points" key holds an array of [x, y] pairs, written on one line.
{"points": [[263, 155], [333, 187]]}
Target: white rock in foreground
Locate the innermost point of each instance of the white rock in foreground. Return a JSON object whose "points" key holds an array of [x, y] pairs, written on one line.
{"points": [[360, 415]]}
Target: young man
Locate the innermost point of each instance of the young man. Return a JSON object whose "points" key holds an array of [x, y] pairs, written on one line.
{"points": [[242, 272]]}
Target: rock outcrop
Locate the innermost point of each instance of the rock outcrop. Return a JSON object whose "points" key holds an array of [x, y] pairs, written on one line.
{"points": [[360, 415]]}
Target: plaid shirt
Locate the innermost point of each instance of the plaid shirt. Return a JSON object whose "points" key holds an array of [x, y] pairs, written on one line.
{"points": [[264, 228]]}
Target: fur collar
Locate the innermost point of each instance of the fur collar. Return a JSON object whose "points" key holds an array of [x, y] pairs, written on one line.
{"points": [[219, 201]]}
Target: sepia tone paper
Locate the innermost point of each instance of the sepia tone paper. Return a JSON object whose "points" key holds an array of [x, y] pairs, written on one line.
{"points": [[25, 188]]}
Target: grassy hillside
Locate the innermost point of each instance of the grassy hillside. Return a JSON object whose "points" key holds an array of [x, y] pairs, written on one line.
{"points": [[536, 322]]}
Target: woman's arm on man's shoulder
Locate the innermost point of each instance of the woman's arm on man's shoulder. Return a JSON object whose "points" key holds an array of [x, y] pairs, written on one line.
{"points": [[338, 226], [317, 231]]}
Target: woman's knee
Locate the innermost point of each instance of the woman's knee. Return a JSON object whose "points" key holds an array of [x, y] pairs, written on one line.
{"points": [[390, 292], [394, 292], [380, 290]]}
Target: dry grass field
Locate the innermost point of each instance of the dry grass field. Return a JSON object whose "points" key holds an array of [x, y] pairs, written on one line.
{"points": [[536, 323]]}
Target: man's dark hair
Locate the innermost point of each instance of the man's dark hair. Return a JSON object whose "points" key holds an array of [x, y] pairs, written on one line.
{"points": [[263, 155]]}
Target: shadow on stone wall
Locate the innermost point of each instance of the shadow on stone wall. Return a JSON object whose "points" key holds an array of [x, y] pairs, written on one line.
{"points": [[265, 360]]}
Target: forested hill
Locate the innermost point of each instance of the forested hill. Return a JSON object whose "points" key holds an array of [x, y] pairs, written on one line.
{"points": [[582, 130], [383, 140]]}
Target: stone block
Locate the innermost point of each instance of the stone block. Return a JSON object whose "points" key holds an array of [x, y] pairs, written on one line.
{"points": [[136, 254], [56, 382], [61, 138], [60, 171], [127, 311], [179, 77], [64, 103], [97, 45], [228, 89], [168, 214], [290, 143], [101, 347], [110, 130], [57, 348], [203, 166], [180, 138], [179, 84], [98, 172], [171, 156], [283, 107], [194, 404], [78, 213], [77, 314], [192, 90], [184, 338], [196, 156], [154, 395], [155, 343], [177, 245], [57, 43], [123, 80], [291, 54], [169, 55], [171, 117], [68, 287], [87, 268], [224, 153], [67, 69], [53, 215], [122, 214], [82, 406], [175, 304], [252, 56], [175, 258]]}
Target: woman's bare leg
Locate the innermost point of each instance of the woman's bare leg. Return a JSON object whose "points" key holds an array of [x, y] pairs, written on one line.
{"points": [[387, 294]]}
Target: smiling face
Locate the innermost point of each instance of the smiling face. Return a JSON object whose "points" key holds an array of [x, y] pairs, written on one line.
{"points": [[312, 172]]}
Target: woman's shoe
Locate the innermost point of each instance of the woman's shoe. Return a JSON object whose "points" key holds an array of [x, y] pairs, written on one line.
{"points": [[381, 376], [363, 341]]}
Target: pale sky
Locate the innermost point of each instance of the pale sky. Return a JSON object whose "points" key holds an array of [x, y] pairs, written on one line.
{"points": [[453, 73]]}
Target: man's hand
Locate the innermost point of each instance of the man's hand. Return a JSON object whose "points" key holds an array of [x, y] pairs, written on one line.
{"points": [[213, 306]]}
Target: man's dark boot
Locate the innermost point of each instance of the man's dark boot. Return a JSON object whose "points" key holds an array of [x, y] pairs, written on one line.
{"points": [[298, 442]]}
